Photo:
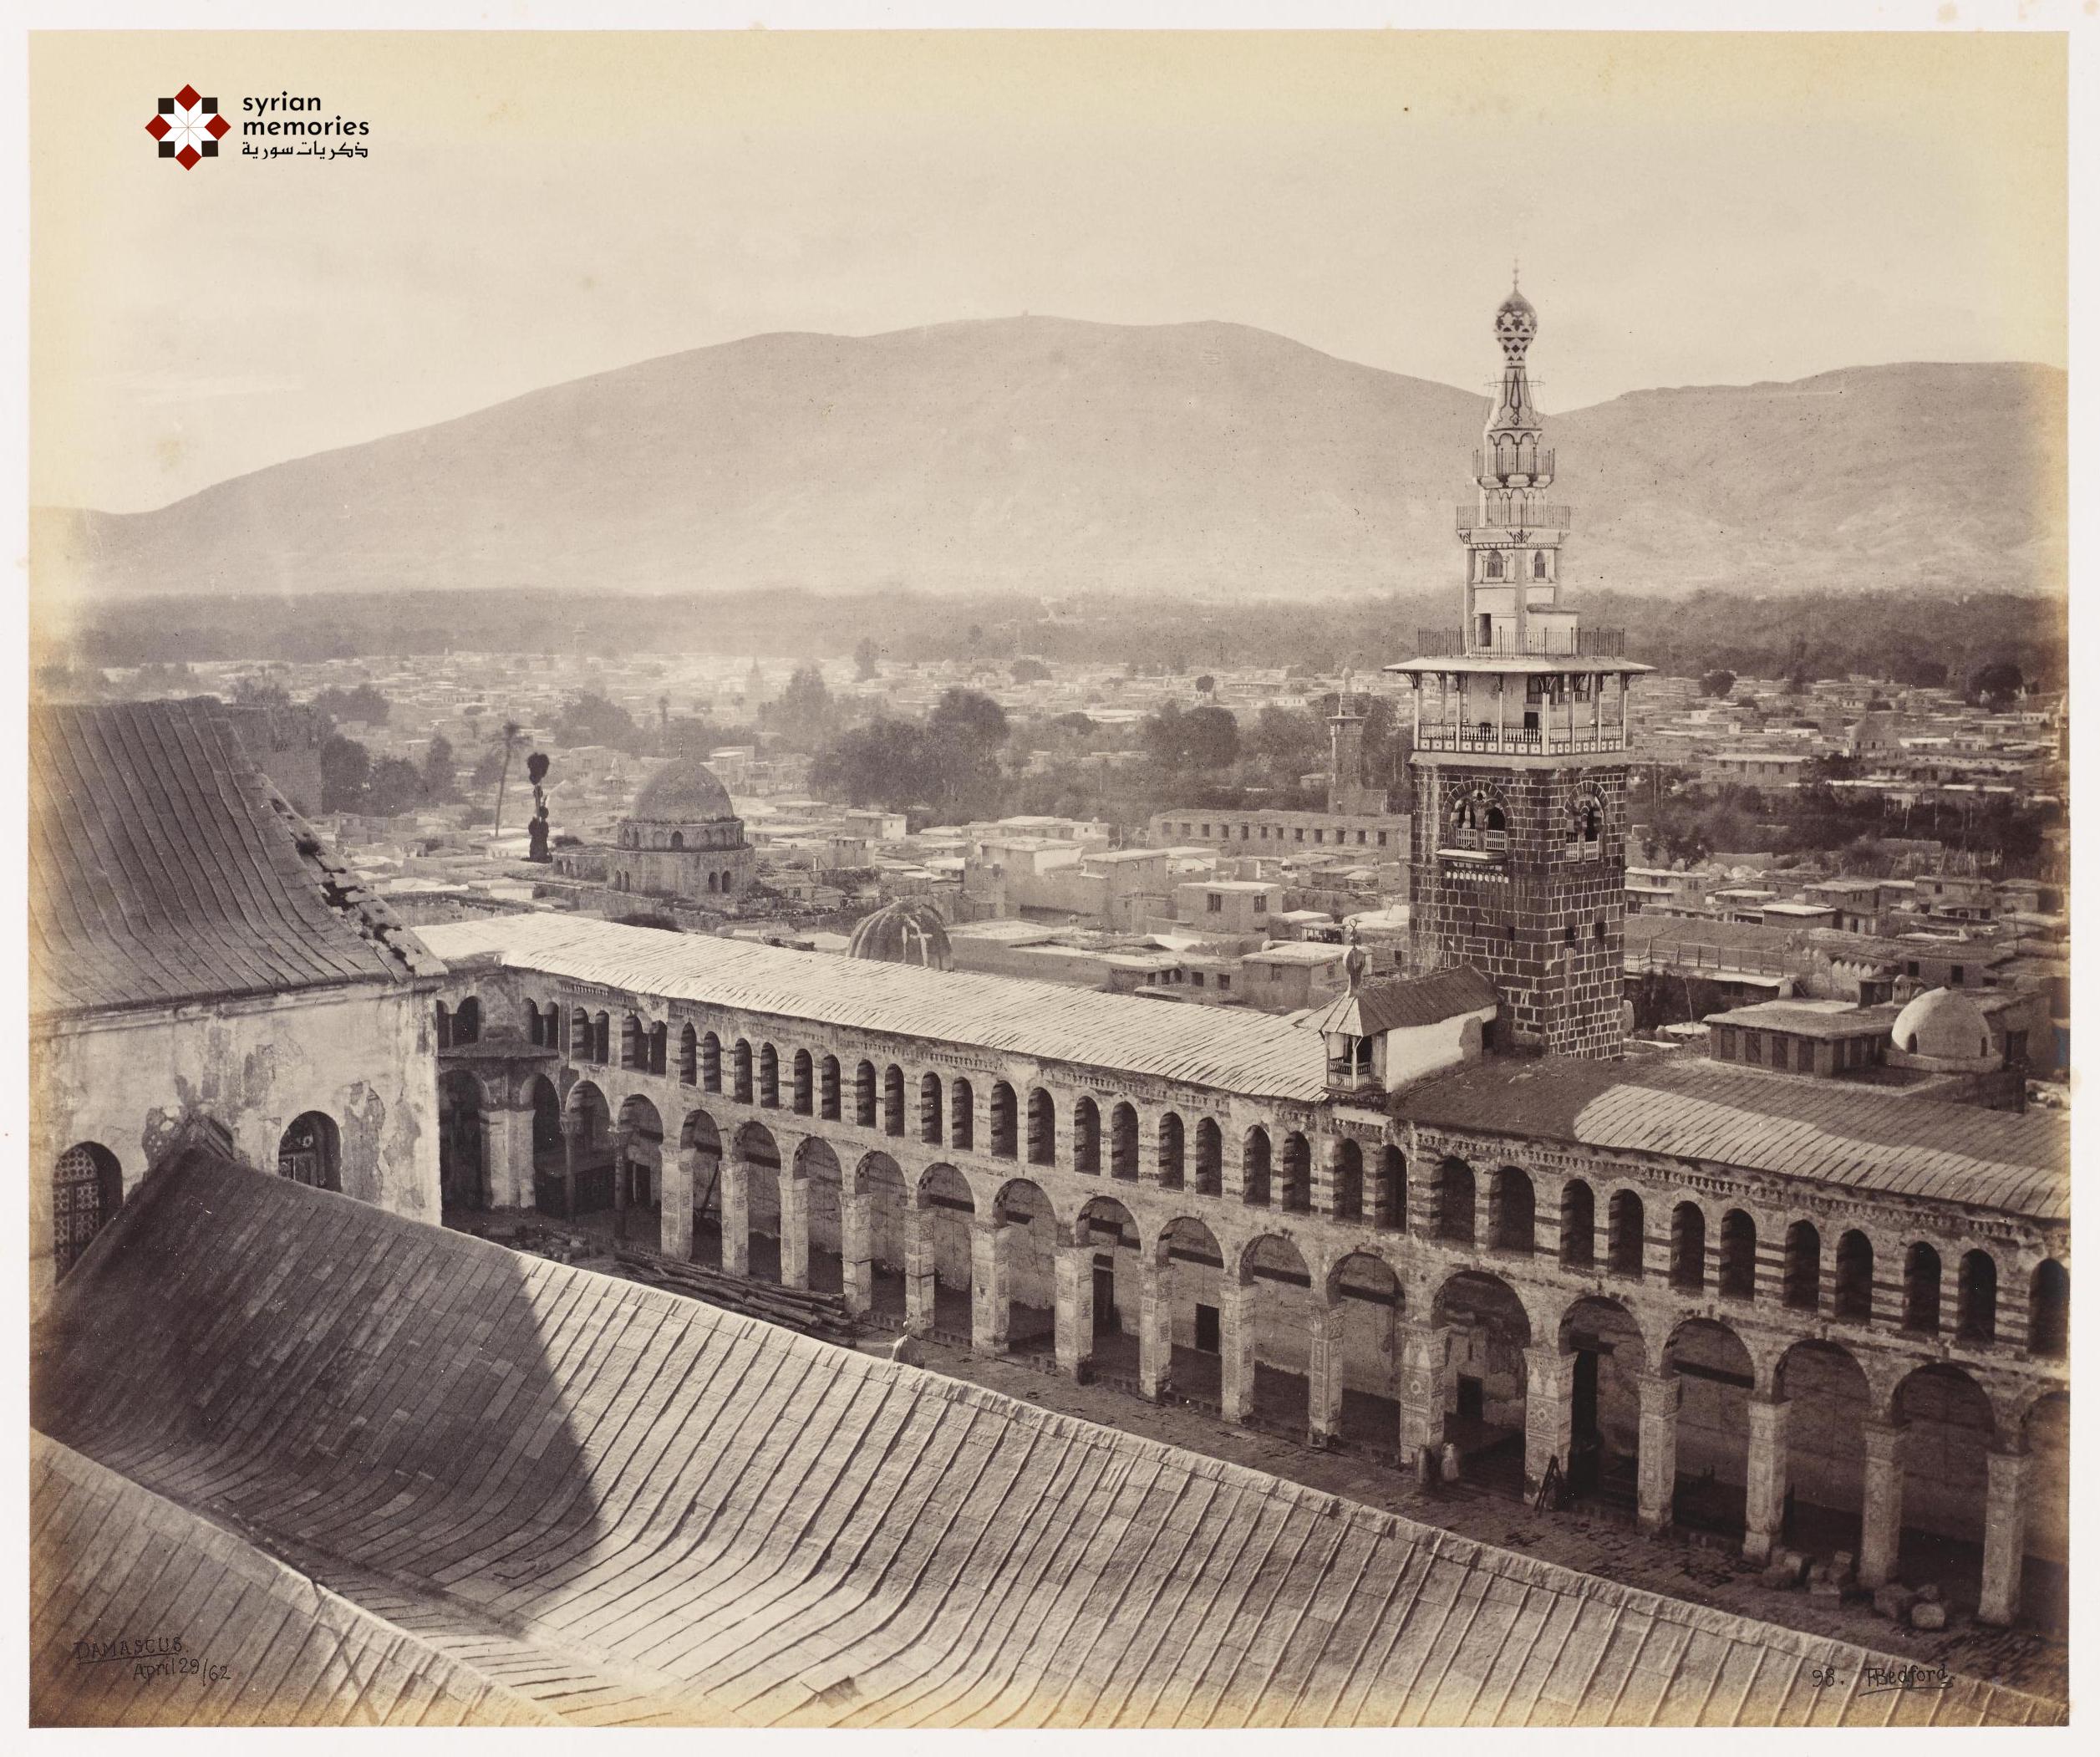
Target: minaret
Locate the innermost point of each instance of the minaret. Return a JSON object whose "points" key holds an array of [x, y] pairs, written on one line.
{"points": [[1520, 837]]}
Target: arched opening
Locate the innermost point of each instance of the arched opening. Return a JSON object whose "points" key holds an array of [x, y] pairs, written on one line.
{"points": [[1853, 1293], [580, 1036], [466, 1023], [1577, 1225], [878, 1183], [743, 1087], [1627, 1226], [1455, 1202], [1004, 1128], [590, 1120], [444, 1026], [308, 1152], [462, 1158], [1190, 1267], [1277, 1296], [1298, 1175], [548, 1152], [894, 1100], [1028, 1238], [759, 1156], [1511, 1211], [660, 1047], [961, 1116], [87, 1188], [1688, 1248], [1738, 1255], [602, 1040], [1921, 1289], [2049, 1309], [1348, 1182], [1828, 1407], [1209, 1167], [1123, 1145], [769, 1077], [1364, 1306], [864, 1095], [1109, 1291], [803, 1078], [817, 1168], [1716, 1377], [1482, 1393], [1173, 1148], [677, 842], [701, 1141], [1611, 1359], [1389, 1195], [930, 1129], [633, 1055], [688, 1056], [2045, 1595], [1042, 1128], [1976, 1320], [1086, 1137], [1945, 1445], [637, 1172], [829, 1104], [711, 1063], [710, 884], [1254, 1167], [1801, 1285]]}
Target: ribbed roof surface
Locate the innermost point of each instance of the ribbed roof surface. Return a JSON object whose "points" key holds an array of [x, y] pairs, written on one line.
{"points": [[1254, 1054], [165, 868], [686, 793], [1832, 1131], [696, 1517], [1399, 1004]]}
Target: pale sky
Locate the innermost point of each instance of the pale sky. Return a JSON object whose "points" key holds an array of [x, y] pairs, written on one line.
{"points": [[1688, 208]]}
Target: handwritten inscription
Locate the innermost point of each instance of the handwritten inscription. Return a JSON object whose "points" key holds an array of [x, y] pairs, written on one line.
{"points": [[152, 1656]]}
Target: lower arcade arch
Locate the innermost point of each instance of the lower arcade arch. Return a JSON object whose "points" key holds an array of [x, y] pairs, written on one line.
{"points": [[637, 1172], [1104, 1285], [1609, 1362], [1829, 1405], [1928, 1503], [1716, 1381], [1022, 1251], [463, 1181], [1267, 1361], [1365, 1305], [701, 1160], [757, 1181], [944, 1215], [1479, 1396], [814, 1258]]}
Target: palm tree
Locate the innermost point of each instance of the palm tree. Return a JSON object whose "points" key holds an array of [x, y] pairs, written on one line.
{"points": [[510, 736]]}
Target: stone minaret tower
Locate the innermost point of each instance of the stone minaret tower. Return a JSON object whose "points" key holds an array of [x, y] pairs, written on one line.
{"points": [[1519, 840]]}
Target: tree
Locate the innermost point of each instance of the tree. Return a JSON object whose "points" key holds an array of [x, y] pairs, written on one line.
{"points": [[1996, 684], [439, 780], [1211, 737], [864, 657], [345, 767], [365, 705], [509, 738], [1717, 683], [1206, 685], [395, 785], [486, 770], [970, 714], [1075, 723], [590, 718], [252, 692], [803, 714], [1030, 670]]}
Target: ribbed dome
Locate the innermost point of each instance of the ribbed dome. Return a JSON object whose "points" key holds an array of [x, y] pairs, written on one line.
{"points": [[685, 792], [1944, 1025], [903, 932]]}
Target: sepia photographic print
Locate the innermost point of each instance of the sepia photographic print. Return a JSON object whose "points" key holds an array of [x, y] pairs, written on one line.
{"points": [[1050, 877]]}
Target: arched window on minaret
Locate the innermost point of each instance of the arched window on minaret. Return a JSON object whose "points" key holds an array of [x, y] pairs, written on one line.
{"points": [[1539, 565], [1493, 569]]}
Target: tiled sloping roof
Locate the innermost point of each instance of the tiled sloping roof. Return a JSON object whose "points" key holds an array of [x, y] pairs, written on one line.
{"points": [[112, 1563], [1830, 1130], [1399, 1004], [743, 1524], [165, 868], [1258, 1055]]}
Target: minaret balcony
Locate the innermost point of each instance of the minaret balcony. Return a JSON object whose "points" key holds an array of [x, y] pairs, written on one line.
{"points": [[1499, 517], [1486, 739], [1542, 639], [1514, 465]]}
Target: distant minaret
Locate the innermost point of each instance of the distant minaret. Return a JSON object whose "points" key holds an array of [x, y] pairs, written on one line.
{"points": [[1519, 839]]}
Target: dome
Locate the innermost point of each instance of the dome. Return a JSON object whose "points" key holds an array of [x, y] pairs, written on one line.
{"points": [[685, 792], [902, 932], [1943, 1024], [1516, 322]]}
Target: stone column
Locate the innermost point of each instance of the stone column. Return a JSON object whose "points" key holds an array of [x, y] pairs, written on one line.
{"points": [[1075, 1302], [794, 1230], [1323, 1371], [622, 1143], [1235, 1347], [737, 1215], [856, 1246], [919, 1271], [1154, 1326], [507, 1156], [1550, 1413], [1765, 1488], [991, 1303], [1422, 1351], [572, 1145], [2004, 1537], [679, 1194], [1660, 1394], [1881, 1503]]}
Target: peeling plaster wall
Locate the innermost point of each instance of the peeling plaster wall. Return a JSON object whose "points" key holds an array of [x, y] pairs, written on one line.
{"points": [[366, 1058]]}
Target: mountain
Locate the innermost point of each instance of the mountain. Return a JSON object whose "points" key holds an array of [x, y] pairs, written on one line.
{"points": [[1209, 459]]}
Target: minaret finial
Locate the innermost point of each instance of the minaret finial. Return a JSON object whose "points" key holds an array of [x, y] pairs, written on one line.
{"points": [[1514, 264]]}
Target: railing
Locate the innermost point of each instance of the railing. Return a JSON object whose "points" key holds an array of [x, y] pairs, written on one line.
{"points": [[1531, 516], [1543, 641], [1535, 461], [1516, 743]]}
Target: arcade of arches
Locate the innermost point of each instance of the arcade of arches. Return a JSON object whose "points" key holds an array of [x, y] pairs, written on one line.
{"points": [[1826, 1378]]}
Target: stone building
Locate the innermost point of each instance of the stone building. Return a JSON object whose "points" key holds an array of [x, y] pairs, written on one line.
{"points": [[682, 839], [200, 965]]}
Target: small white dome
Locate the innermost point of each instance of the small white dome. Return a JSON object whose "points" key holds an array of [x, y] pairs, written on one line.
{"points": [[1944, 1025]]}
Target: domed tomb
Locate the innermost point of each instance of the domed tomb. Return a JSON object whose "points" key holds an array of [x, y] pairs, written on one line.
{"points": [[902, 932], [1944, 1028], [682, 838]]}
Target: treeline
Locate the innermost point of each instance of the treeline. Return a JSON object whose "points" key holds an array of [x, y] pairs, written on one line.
{"points": [[1912, 636]]}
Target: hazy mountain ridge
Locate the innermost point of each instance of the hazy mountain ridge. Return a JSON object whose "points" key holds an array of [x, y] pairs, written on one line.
{"points": [[1050, 455]]}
